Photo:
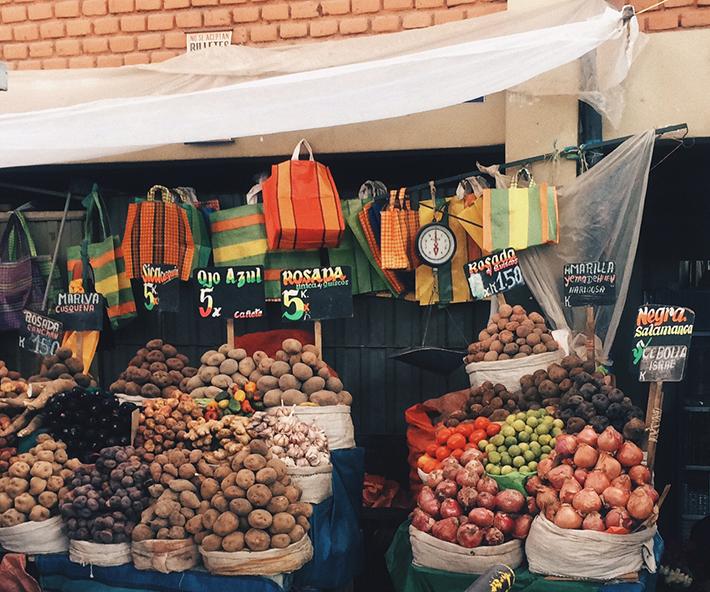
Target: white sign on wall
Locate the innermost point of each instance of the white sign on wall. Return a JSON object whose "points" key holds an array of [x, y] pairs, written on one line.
{"points": [[203, 40]]}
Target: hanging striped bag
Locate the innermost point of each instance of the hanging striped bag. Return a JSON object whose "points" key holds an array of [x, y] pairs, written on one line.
{"points": [[158, 232], [520, 217]]}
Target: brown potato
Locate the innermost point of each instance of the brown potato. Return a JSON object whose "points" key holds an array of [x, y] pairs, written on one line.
{"points": [[282, 523], [225, 524], [233, 542], [257, 540], [260, 519]]}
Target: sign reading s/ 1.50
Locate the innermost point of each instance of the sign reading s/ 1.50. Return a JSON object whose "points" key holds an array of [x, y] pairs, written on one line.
{"points": [[588, 284], [661, 342], [40, 334], [494, 274], [316, 294], [230, 292]]}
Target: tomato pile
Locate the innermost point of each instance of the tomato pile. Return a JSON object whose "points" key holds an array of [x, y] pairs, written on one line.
{"points": [[454, 441]]}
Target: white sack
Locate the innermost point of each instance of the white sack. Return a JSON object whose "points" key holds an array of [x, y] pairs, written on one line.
{"points": [[509, 372], [88, 553], [428, 551], [335, 420], [587, 554], [422, 71], [165, 556], [35, 538], [316, 483], [259, 563], [600, 216]]}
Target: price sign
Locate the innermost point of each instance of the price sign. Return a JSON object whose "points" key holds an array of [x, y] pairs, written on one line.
{"points": [[316, 294], [494, 274], [230, 292], [81, 311], [40, 334], [161, 287], [589, 284], [661, 342]]}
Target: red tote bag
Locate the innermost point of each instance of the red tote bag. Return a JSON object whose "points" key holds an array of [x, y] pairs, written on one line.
{"points": [[301, 205]]}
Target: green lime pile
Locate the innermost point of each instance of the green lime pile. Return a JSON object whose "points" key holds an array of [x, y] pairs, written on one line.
{"points": [[525, 439]]}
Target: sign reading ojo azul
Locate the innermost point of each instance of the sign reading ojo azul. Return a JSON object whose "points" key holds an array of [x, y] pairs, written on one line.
{"points": [[230, 292]]}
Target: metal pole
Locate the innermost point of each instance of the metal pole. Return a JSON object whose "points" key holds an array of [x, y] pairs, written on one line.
{"points": [[56, 251]]}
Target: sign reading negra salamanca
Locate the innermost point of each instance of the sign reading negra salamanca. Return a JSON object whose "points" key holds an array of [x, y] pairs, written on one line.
{"points": [[661, 342], [494, 274], [80, 312], [316, 294], [40, 334], [589, 284], [230, 292]]}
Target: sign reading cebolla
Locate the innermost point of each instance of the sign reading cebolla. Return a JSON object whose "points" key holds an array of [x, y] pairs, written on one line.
{"points": [[494, 274], [230, 292], [80, 312], [40, 334], [161, 287], [662, 341], [316, 294], [589, 284]]}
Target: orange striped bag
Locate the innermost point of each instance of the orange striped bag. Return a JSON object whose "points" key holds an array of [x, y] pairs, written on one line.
{"points": [[301, 205], [158, 232]]}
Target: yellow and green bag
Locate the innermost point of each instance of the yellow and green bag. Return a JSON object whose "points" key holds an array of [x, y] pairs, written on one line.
{"points": [[107, 264], [519, 217], [239, 238]]}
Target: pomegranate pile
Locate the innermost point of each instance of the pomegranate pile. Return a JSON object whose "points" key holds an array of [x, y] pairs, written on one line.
{"points": [[594, 482], [460, 504]]}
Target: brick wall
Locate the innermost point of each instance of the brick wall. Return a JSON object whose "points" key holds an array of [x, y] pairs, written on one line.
{"points": [[104, 33]]}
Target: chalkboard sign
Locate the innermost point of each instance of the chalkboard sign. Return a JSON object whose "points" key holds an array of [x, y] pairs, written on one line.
{"points": [[161, 287], [661, 342], [589, 284], [230, 292], [316, 294], [494, 274], [40, 334], [80, 312]]}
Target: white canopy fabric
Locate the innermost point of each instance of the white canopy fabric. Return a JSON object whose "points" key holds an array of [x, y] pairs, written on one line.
{"points": [[75, 115]]}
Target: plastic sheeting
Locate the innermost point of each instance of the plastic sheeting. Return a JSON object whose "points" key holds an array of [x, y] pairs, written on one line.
{"points": [[192, 99], [600, 216]]}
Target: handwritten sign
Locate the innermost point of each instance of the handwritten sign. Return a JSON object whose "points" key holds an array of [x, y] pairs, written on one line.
{"points": [[494, 274], [40, 334], [81, 311], [161, 287], [230, 292], [589, 284], [661, 342], [316, 294]]}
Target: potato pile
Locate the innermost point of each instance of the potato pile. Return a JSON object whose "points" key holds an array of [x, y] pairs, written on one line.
{"points": [[296, 443], [584, 396], [156, 370], [220, 370], [230, 432], [512, 333], [251, 505], [174, 499], [164, 423], [105, 501], [64, 364], [35, 482]]}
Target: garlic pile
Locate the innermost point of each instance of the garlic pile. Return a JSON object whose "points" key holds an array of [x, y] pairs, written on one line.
{"points": [[230, 432], [296, 443]]}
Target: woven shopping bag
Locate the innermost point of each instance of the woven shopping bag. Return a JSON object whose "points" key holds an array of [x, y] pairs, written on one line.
{"points": [[239, 238], [519, 217], [398, 233], [365, 276], [451, 282], [105, 257], [21, 283], [41, 263], [301, 205], [198, 226], [158, 232]]}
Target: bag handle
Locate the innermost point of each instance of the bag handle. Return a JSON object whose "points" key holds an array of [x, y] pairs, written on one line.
{"points": [[13, 228], [166, 195], [372, 189], [91, 202], [26, 233], [297, 150], [522, 170], [187, 195]]}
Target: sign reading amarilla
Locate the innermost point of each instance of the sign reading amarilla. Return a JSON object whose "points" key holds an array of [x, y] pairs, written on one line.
{"points": [[589, 284], [316, 294], [662, 341]]}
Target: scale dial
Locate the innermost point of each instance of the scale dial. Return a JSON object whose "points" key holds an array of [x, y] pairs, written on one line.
{"points": [[436, 244]]}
